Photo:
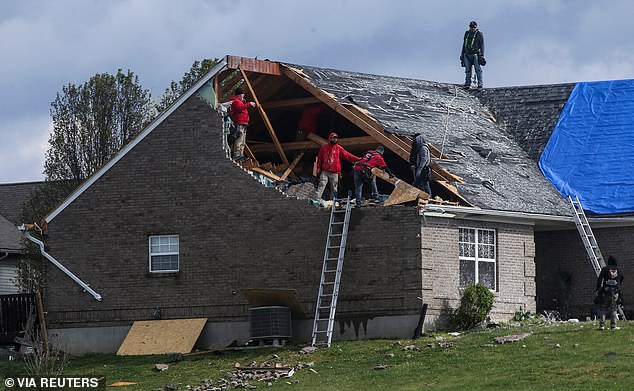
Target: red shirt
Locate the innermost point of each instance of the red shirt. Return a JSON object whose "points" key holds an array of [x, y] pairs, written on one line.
{"points": [[329, 157], [308, 120], [371, 159], [239, 112]]}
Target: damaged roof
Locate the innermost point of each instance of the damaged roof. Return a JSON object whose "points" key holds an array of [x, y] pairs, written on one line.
{"points": [[498, 174]]}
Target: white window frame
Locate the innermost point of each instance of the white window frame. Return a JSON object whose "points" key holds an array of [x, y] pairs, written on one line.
{"points": [[479, 256], [170, 251]]}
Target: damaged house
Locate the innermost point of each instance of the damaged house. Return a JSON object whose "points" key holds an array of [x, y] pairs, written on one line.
{"points": [[171, 225]]}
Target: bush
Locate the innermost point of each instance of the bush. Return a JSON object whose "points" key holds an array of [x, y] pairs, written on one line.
{"points": [[475, 305]]}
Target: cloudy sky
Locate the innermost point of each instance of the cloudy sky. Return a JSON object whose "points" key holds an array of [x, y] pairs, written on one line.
{"points": [[48, 44]]}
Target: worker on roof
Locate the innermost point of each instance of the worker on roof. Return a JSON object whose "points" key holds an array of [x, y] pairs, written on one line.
{"points": [[329, 164], [363, 173], [240, 117], [608, 292], [309, 120], [420, 163], [472, 54]]}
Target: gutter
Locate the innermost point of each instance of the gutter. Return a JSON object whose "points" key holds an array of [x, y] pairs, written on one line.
{"points": [[464, 211], [451, 211], [61, 267]]}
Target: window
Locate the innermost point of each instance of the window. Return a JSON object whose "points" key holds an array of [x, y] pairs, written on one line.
{"points": [[477, 257], [164, 253]]}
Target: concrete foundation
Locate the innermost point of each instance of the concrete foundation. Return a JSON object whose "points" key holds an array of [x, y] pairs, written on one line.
{"points": [[80, 341]]}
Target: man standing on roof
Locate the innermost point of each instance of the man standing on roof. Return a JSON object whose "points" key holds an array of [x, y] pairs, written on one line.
{"points": [[329, 164], [420, 162], [240, 118], [608, 291], [309, 120], [473, 54], [363, 172]]}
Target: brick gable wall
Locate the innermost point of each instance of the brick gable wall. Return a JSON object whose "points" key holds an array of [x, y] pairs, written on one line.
{"points": [[234, 233]]}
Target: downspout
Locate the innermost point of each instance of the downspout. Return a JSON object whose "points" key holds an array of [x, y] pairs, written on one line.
{"points": [[61, 267], [4, 256]]}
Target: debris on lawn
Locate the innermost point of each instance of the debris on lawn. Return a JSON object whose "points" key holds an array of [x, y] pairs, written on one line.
{"points": [[411, 347], [309, 350], [511, 338], [381, 366], [121, 384], [161, 367], [251, 376], [390, 355]]}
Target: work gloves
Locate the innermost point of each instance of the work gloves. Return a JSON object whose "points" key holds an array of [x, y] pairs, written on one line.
{"points": [[462, 61]]}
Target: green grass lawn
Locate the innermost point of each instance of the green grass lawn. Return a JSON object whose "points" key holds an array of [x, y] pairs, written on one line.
{"points": [[560, 356]]}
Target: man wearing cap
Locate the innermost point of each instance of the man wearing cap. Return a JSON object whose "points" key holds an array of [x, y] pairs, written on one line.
{"points": [[329, 164], [473, 54], [363, 172], [240, 117]]}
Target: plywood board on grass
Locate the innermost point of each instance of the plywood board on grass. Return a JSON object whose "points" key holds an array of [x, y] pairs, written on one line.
{"points": [[162, 336]]}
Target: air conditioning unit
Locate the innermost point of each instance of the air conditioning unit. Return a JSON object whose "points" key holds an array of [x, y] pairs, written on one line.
{"points": [[272, 322]]}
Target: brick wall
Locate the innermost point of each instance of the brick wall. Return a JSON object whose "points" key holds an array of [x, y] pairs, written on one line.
{"points": [[234, 233], [563, 251]]}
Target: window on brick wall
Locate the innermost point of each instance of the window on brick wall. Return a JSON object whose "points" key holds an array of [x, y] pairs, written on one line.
{"points": [[477, 257], [164, 253]]}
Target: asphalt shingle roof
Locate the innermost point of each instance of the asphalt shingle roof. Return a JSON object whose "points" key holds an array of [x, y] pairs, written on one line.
{"points": [[12, 196], [498, 173]]}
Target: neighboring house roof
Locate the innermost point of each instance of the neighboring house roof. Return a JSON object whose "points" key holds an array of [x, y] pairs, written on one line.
{"points": [[529, 114], [9, 236], [12, 196], [498, 174]]}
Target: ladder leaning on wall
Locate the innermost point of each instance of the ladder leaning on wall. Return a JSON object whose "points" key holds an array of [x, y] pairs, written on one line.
{"points": [[589, 240], [326, 306]]}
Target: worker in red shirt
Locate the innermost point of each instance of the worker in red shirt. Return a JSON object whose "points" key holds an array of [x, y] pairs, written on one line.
{"points": [[329, 164], [309, 120], [363, 172], [240, 118]]}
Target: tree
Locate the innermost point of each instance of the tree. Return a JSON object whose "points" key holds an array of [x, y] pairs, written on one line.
{"points": [[93, 121], [175, 90]]}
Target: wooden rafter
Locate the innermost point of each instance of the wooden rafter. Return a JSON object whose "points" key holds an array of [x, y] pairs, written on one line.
{"points": [[330, 100], [405, 146], [363, 141], [292, 166], [265, 118], [284, 104]]}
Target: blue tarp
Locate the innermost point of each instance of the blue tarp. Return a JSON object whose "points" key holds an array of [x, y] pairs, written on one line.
{"points": [[590, 152]]}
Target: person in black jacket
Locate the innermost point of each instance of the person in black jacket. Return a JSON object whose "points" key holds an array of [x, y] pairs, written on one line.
{"points": [[473, 54], [420, 160], [608, 289]]}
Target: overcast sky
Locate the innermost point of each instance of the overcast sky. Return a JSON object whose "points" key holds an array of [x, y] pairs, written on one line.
{"points": [[48, 44]]}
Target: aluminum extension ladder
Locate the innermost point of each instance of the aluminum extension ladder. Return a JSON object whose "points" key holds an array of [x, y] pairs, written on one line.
{"points": [[326, 307], [589, 241]]}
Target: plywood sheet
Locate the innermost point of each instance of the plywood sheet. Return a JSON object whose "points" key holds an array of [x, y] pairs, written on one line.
{"points": [[162, 336], [264, 297]]}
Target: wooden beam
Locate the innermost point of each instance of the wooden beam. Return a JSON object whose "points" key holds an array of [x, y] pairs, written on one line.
{"points": [[403, 191], [362, 141], [330, 100], [266, 173], [368, 118], [265, 118], [284, 104], [292, 166]]}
